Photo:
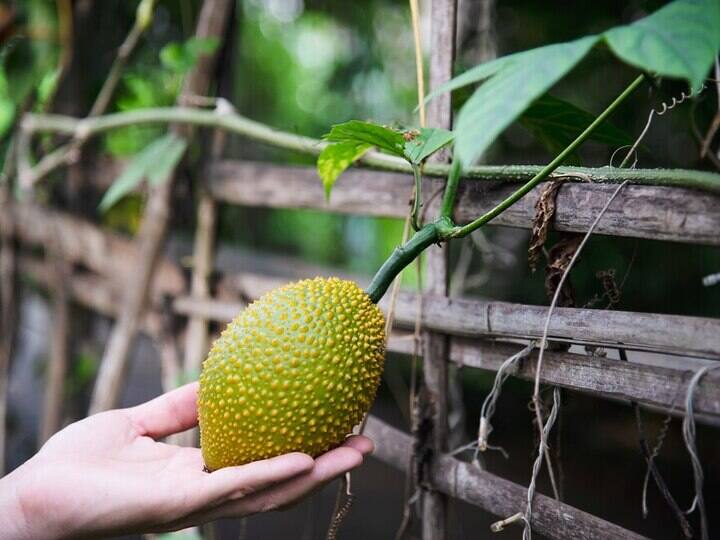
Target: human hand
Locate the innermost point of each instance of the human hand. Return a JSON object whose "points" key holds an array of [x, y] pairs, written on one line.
{"points": [[108, 475]]}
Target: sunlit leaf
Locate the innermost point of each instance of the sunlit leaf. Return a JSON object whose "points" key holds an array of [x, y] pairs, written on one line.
{"points": [[7, 107], [337, 157], [179, 535], [504, 96], [155, 163], [556, 123], [679, 40], [169, 154], [181, 57], [426, 142], [384, 138], [473, 75]]}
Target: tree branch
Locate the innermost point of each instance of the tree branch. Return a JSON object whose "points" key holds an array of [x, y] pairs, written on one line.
{"points": [[235, 123]]}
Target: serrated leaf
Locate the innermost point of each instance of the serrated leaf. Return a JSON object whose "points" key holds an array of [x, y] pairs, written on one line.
{"points": [[390, 140], [556, 123], [679, 40], [155, 163], [505, 95], [335, 158], [427, 142]]}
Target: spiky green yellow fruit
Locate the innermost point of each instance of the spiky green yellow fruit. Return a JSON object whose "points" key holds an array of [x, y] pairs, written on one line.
{"points": [[295, 371]]}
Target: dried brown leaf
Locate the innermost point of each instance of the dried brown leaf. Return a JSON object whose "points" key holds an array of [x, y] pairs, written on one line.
{"points": [[544, 213], [559, 258]]}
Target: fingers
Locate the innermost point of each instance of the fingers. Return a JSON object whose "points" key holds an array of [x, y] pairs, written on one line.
{"points": [[232, 483], [327, 467], [360, 443], [169, 413]]}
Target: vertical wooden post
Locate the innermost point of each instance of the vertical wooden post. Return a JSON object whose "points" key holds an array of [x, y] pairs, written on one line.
{"points": [[9, 305], [435, 346], [197, 335], [57, 363], [196, 338], [212, 21]]}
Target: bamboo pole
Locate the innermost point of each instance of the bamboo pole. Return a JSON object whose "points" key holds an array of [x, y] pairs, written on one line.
{"points": [[443, 15], [113, 369], [8, 307]]}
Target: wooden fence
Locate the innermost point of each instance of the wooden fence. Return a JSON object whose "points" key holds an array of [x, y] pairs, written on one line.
{"points": [[468, 332]]}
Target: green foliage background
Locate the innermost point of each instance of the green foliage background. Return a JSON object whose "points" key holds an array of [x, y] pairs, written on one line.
{"points": [[303, 66]]}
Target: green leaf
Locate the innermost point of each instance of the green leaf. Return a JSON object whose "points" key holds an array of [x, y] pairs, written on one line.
{"points": [[335, 158], [155, 162], [390, 140], [473, 75], [505, 95], [679, 40], [427, 142], [556, 123], [169, 154], [181, 57], [179, 535]]}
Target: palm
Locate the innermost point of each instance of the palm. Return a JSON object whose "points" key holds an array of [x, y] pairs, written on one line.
{"points": [[123, 480]]}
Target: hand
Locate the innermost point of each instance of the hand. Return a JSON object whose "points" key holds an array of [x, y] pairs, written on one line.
{"points": [[108, 475]]}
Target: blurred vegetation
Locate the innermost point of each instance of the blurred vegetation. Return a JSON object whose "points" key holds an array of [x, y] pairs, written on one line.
{"points": [[303, 65]]}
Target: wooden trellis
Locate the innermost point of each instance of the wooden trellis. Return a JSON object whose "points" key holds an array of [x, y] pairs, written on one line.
{"points": [[469, 332]]}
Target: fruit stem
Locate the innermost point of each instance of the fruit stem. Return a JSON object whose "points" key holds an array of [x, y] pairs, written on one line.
{"points": [[451, 187], [400, 258], [444, 229]]}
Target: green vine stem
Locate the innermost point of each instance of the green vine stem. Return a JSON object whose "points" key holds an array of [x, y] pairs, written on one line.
{"points": [[415, 213], [443, 228], [448, 201], [400, 258], [88, 127]]}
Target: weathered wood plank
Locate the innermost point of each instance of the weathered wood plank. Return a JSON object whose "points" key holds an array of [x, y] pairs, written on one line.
{"points": [[608, 378], [649, 384], [84, 243], [645, 383], [661, 213], [494, 494], [92, 291], [433, 396], [674, 334], [115, 256]]}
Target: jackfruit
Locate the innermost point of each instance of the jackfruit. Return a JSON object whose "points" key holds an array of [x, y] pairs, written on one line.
{"points": [[295, 371]]}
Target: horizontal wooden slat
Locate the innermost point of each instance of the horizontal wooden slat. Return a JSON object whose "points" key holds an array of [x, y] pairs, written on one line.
{"points": [[494, 494], [604, 377], [113, 255], [662, 213], [84, 243], [673, 334], [648, 384], [92, 291]]}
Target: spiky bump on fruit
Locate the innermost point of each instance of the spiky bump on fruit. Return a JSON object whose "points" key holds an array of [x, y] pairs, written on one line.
{"points": [[295, 371]]}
